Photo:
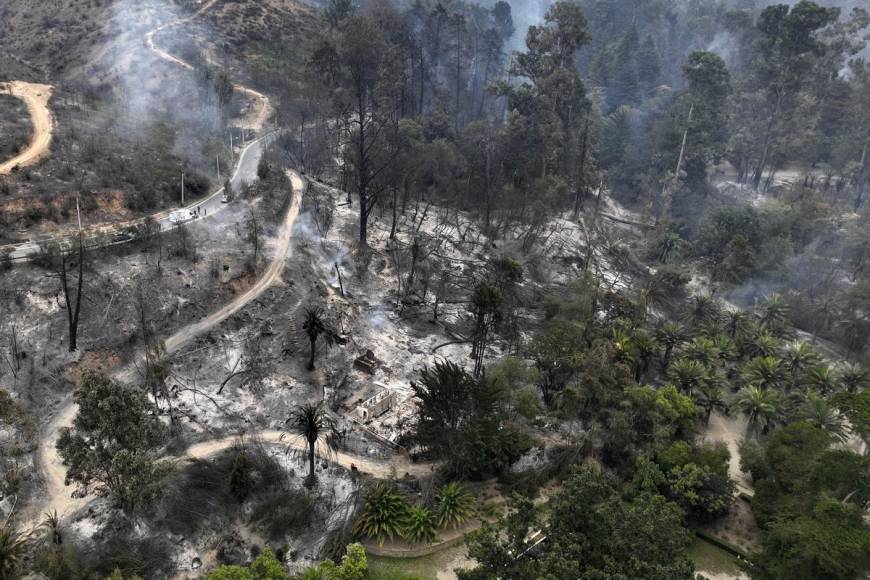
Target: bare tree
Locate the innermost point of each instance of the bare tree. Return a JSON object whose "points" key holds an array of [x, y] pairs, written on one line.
{"points": [[62, 259]]}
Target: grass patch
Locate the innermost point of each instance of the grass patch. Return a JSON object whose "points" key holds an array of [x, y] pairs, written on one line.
{"points": [[422, 568], [712, 559]]}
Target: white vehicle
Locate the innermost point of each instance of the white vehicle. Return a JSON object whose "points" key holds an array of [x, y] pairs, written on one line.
{"points": [[181, 216]]}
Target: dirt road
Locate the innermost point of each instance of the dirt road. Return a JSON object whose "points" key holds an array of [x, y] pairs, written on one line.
{"points": [[36, 97], [261, 111], [381, 469], [49, 462]]}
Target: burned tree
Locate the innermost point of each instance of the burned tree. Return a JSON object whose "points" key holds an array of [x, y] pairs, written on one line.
{"points": [[63, 259], [315, 326]]}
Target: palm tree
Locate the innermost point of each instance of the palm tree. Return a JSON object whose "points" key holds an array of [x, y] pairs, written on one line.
{"points": [[725, 348], [52, 525], [703, 310], [420, 527], [708, 396], [687, 374], [670, 335], [818, 411], [763, 372], [454, 505], [669, 244], [315, 326], [798, 356], [738, 324], [645, 350], [761, 407], [852, 377], [773, 313], [13, 548], [702, 350], [822, 378], [312, 423], [384, 513], [764, 344]]}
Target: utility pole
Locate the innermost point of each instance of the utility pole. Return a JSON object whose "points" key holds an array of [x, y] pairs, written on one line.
{"points": [[79, 213], [182, 189], [217, 158]]}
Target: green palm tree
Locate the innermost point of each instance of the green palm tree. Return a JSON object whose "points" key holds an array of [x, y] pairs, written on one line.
{"points": [[384, 513], [708, 396], [687, 374], [52, 524], [703, 310], [798, 356], [312, 423], [764, 344], [14, 546], [669, 244], [645, 351], [702, 350], [454, 505], [763, 372], [852, 377], [818, 411], [822, 379], [670, 335], [725, 347], [773, 313], [420, 527], [315, 326], [760, 406], [738, 324]]}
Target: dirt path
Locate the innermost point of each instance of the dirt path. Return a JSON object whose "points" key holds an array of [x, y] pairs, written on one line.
{"points": [[380, 468], [36, 97], [49, 462], [262, 109]]}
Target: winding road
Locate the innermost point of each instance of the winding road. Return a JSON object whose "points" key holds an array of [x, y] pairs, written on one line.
{"points": [[36, 97], [49, 464]]}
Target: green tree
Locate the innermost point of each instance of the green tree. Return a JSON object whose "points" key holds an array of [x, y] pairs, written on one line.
{"points": [[764, 372], [798, 358], [384, 513], [114, 442], [670, 335], [353, 566], [821, 414], [420, 527], [761, 407], [14, 546], [787, 49], [831, 542], [708, 397], [264, 567], [687, 374], [454, 505], [592, 532]]}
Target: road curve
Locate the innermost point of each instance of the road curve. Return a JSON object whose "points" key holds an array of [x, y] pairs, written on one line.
{"points": [[97, 237], [49, 463], [36, 97]]}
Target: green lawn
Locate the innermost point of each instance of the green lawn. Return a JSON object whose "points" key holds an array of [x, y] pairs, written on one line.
{"points": [[423, 568], [709, 558]]}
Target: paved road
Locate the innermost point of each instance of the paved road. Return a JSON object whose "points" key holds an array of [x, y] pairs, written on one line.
{"points": [[245, 173]]}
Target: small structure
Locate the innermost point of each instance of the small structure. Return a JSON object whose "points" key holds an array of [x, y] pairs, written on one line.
{"points": [[382, 402], [367, 362]]}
